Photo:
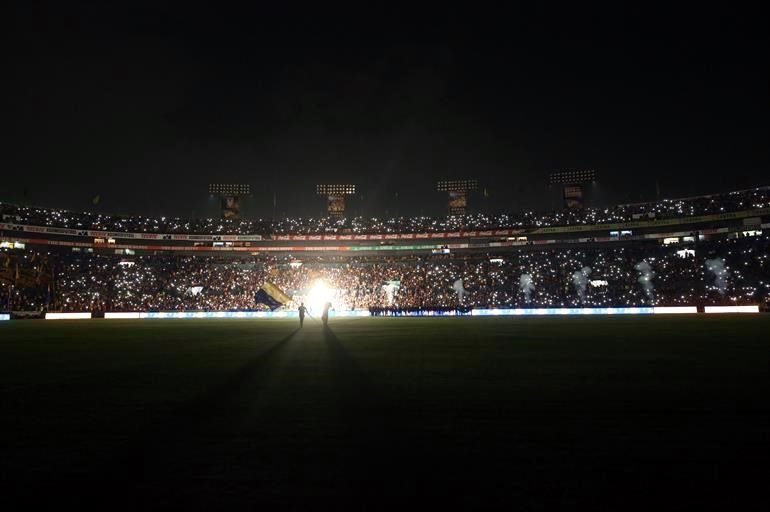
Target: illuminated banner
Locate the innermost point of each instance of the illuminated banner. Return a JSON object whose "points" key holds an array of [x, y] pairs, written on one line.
{"points": [[229, 314], [67, 316], [644, 310], [732, 309], [666, 310], [122, 316], [562, 311]]}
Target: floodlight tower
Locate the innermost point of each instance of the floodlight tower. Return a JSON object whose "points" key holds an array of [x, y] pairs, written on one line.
{"points": [[230, 195], [458, 194], [335, 197], [572, 183]]}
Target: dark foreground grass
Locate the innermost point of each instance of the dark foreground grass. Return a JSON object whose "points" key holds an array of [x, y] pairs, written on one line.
{"points": [[528, 412]]}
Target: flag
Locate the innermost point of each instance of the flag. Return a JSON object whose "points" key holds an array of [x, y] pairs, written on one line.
{"points": [[271, 296]]}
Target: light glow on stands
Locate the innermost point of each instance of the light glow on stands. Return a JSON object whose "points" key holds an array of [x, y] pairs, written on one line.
{"points": [[67, 316], [5, 316], [732, 309]]}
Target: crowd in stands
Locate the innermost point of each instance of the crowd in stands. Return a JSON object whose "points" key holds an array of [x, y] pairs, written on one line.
{"points": [[703, 205], [569, 277]]}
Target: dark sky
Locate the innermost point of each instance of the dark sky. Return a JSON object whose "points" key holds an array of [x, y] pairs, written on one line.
{"points": [[147, 105]]}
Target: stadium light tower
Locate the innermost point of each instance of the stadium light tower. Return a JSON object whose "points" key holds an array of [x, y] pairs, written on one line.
{"points": [[335, 197], [572, 183], [458, 194], [230, 194]]}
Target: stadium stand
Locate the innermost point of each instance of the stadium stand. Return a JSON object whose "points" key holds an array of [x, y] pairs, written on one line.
{"points": [[65, 281], [745, 200], [64, 270]]}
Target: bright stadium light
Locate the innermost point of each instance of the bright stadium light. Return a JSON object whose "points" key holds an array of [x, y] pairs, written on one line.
{"points": [[235, 189], [335, 189], [318, 295], [572, 177], [456, 185]]}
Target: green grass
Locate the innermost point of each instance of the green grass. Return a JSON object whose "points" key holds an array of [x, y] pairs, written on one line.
{"points": [[532, 411]]}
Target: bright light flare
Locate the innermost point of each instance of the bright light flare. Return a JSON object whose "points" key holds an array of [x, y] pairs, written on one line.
{"points": [[318, 295]]}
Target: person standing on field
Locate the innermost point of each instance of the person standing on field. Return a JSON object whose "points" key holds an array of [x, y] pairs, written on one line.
{"points": [[302, 311], [325, 316]]}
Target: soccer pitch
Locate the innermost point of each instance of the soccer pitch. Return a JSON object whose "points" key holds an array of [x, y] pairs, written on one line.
{"points": [[532, 411]]}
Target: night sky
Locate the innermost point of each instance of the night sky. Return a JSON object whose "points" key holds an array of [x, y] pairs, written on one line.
{"points": [[147, 105]]}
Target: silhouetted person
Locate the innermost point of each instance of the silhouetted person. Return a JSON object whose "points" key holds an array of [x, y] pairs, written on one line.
{"points": [[302, 310], [325, 316]]}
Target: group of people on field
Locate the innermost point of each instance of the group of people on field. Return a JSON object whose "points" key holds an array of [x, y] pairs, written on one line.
{"points": [[324, 316]]}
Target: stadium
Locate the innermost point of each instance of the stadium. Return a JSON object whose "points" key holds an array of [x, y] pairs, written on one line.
{"points": [[161, 373], [476, 257]]}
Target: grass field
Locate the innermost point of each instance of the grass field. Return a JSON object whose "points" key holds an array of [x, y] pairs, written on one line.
{"points": [[526, 411]]}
